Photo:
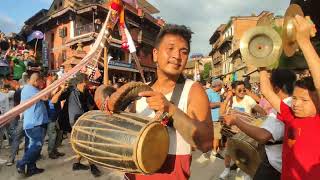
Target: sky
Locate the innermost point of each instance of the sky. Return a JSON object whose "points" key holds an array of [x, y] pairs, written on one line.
{"points": [[202, 16]]}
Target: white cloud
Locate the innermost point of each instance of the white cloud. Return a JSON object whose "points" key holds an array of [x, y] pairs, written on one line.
{"points": [[204, 16], [7, 24]]}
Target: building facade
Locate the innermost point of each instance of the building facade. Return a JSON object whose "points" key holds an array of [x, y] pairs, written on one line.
{"points": [[195, 66], [68, 24], [228, 63]]}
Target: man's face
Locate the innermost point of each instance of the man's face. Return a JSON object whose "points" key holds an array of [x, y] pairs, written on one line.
{"points": [[25, 55], [172, 54], [240, 91], [304, 103], [37, 82], [217, 88]]}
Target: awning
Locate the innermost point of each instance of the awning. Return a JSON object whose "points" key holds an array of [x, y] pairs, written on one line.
{"points": [[225, 42], [122, 68], [56, 14]]}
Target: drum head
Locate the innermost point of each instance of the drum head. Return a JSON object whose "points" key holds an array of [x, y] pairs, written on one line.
{"points": [[152, 148], [245, 154]]}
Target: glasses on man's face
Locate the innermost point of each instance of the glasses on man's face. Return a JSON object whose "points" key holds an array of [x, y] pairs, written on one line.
{"points": [[241, 90]]}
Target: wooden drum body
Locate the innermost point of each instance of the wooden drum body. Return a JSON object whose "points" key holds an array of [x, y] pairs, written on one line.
{"points": [[124, 141]]}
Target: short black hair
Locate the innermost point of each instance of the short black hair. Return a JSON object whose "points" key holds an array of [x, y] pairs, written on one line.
{"points": [[306, 83], [175, 29], [283, 79], [236, 83], [247, 85], [80, 78], [4, 45], [108, 91]]}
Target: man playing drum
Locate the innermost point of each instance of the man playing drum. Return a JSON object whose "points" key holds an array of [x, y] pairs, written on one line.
{"points": [[272, 130], [191, 118], [240, 102]]}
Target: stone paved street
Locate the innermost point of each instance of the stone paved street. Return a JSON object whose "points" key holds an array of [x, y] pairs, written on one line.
{"points": [[61, 169]]}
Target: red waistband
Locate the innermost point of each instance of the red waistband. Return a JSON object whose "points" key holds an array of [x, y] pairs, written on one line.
{"points": [[176, 167]]}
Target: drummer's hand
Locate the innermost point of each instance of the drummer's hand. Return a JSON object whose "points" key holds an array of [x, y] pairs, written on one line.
{"points": [[157, 101], [305, 28], [228, 119]]}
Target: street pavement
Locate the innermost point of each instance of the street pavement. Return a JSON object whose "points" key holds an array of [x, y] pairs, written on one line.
{"points": [[61, 169]]}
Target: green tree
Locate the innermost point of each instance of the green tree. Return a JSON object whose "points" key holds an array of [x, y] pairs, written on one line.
{"points": [[205, 74]]}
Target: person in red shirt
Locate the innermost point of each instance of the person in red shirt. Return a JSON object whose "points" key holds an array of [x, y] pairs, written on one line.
{"points": [[301, 146]]}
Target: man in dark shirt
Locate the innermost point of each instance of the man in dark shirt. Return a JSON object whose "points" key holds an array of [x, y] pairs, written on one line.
{"points": [[79, 100], [18, 130]]}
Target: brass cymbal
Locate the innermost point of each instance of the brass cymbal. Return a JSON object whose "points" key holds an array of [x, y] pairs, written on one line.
{"points": [[245, 152], [261, 46], [290, 45], [266, 20]]}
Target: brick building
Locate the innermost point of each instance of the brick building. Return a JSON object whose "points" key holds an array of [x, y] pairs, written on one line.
{"points": [[225, 41], [70, 24]]}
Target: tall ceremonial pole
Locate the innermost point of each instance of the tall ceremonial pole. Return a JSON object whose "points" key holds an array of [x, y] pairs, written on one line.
{"points": [[105, 67]]}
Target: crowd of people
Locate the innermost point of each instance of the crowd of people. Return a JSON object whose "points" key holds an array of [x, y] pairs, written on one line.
{"points": [[52, 117], [288, 103]]}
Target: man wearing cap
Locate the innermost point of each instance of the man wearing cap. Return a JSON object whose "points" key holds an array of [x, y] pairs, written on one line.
{"points": [[215, 101]]}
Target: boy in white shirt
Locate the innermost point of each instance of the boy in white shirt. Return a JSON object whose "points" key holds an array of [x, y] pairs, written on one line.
{"points": [[238, 100]]}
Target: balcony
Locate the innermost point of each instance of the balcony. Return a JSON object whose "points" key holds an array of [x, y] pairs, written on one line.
{"points": [[85, 29]]}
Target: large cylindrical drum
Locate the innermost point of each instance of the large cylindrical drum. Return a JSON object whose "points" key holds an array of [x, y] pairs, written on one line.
{"points": [[124, 141]]}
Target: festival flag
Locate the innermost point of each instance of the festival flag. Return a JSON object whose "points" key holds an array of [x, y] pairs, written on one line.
{"points": [[132, 47]]}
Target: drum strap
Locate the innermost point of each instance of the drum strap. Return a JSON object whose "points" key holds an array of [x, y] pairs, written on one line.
{"points": [[176, 94], [177, 91]]}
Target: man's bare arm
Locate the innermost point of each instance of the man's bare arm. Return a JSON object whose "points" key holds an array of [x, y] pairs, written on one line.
{"points": [[56, 96], [215, 105], [225, 103], [303, 28], [195, 126], [253, 96], [267, 90], [260, 110], [257, 133]]}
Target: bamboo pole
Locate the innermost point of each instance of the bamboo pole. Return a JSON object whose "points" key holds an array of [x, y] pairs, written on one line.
{"points": [[105, 70]]}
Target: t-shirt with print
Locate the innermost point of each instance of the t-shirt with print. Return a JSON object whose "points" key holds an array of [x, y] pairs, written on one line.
{"points": [[214, 97], [245, 105], [301, 146]]}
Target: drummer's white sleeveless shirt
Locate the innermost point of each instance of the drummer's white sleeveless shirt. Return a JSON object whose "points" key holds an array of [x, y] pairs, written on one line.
{"points": [[178, 146]]}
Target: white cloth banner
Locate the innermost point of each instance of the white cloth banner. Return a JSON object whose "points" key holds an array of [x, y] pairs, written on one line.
{"points": [[132, 47]]}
